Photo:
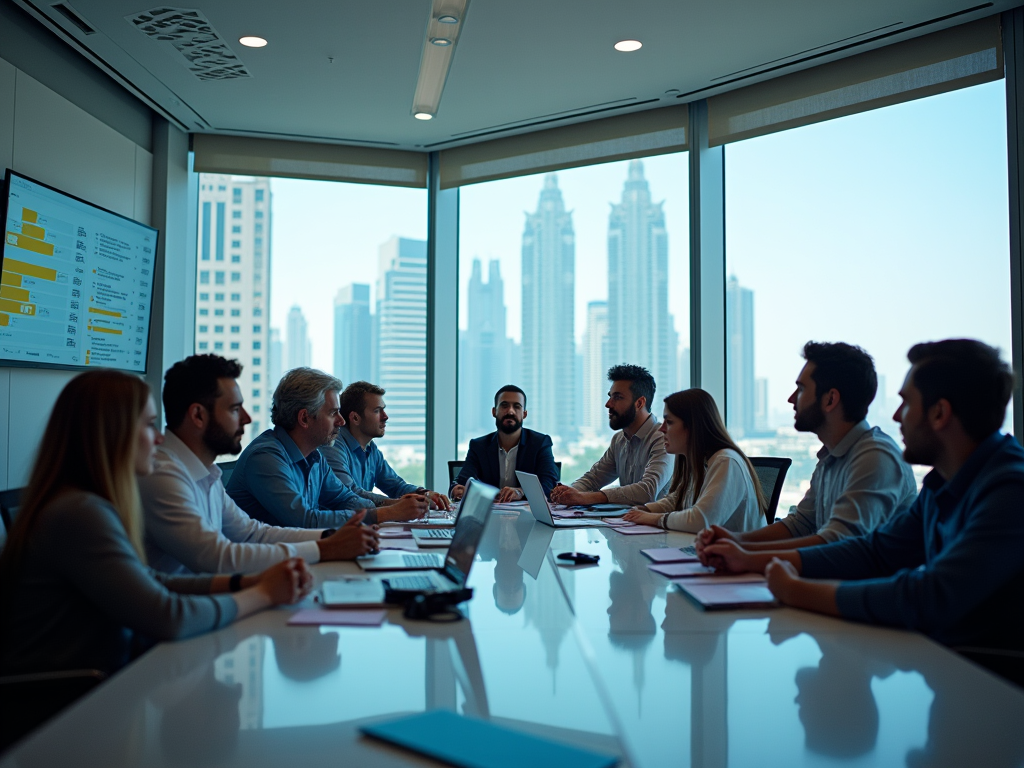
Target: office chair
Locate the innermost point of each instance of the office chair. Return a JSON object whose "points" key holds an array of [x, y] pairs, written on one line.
{"points": [[28, 701], [10, 500], [771, 471], [226, 468]]}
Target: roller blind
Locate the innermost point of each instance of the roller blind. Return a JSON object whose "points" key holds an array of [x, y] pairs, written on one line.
{"points": [[302, 160], [943, 61], [654, 132]]}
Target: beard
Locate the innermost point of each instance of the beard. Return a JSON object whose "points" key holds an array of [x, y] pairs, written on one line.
{"points": [[217, 439], [619, 421], [508, 425], [810, 418], [920, 447]]}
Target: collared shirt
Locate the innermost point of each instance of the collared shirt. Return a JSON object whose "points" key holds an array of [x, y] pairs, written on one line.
{"points": [[507, 466], [951, 565], [861, 482], [276, 484], [360, 469], [639, 462], [193, 525]]}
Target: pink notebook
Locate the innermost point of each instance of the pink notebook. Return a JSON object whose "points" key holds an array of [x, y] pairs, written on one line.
{"points": [[669, 555], [717, 597], [634, 530], [721, 578], [681, 570], [316, 617]]}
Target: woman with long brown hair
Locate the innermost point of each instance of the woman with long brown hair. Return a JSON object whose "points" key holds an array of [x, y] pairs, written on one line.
{"points": [[714, 483], [73, 585]]}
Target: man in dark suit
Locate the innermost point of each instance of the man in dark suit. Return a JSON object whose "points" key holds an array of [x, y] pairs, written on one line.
{"points": [[494, 458]]}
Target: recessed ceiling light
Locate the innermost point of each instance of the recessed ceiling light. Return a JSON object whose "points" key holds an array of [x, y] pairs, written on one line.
{"points": [[628, 45], [423, 116], [251, 41], [441, 41], [447, 19]]}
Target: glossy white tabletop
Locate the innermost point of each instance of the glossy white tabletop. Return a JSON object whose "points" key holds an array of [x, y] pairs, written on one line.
{"points": [[608, 656]]}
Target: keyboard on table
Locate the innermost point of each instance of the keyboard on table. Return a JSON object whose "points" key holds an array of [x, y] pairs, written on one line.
{"points": [[690, 550], [419, 561], [410, 583]]}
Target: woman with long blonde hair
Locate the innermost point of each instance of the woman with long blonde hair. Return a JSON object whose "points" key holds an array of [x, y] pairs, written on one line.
{"points": [[714, 483], [74, 589]]}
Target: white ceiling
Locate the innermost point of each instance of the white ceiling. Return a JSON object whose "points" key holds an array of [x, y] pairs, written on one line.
{"points": [[519, 65]]}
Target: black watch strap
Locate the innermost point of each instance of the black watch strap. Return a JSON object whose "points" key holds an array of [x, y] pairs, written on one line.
{"points": [[328, 532], [235, 585]]}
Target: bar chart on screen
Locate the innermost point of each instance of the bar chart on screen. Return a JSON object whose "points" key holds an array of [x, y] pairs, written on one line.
{"points": [[76, 281]]}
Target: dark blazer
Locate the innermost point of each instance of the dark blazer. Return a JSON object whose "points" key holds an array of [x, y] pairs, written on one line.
{"points": [[534, 456]]}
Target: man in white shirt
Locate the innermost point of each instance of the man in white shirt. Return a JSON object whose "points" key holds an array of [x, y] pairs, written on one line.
{"points": [[191, 522]]}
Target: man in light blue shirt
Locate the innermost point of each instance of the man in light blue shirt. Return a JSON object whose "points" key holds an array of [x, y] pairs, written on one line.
{"points": [[281, 478], [359, 463]]}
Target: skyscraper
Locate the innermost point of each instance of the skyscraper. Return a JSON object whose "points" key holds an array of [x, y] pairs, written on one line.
{"points": [[276, 366], [298, 349], [485, 360], [595, 368], [233, 289], [353, 332], [548, 354], [641, 330], [739, 362], [401, 323]]}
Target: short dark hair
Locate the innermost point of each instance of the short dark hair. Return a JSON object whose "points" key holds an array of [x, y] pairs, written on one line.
{"points": [[847, 368], [641, 383], [194, 380], [509, 388], [354, 397], [970, 375]]}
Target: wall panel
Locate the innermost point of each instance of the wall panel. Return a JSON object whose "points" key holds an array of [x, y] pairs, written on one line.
{"points": [[7, 74]]}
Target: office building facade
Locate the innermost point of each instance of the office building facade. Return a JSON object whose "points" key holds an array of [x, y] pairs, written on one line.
{"points": [[741, 397], [401, 334], [595, 370], [548, 354], [298, 349], [233, 282], [353, 334]]}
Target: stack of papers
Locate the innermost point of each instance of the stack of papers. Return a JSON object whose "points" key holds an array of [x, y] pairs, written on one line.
{"points": [[682, 570], [669, 555], [715, 593], [314, 617], [634, 530]]}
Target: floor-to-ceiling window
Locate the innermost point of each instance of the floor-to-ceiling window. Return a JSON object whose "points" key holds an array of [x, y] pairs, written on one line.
{"points": [[323, 274], [562, 275], [881, 229]]}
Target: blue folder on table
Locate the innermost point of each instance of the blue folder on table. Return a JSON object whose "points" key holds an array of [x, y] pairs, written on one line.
{"points": [[472, 743]]}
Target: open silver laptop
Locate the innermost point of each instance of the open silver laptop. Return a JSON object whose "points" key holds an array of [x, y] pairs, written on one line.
{"points": [[541, 509], [439, 537], [474, 514]]}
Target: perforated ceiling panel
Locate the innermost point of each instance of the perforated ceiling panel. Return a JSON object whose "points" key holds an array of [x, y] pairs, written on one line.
{"points": [[190, 33]]}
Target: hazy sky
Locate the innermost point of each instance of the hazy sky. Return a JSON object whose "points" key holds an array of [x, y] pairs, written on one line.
{"points": [[882, 229]]}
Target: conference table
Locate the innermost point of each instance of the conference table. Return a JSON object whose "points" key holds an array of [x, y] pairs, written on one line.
{"points": [[611, 657]]}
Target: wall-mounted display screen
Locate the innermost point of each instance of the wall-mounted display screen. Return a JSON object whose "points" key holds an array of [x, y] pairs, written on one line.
{"points": [[77, 283]]}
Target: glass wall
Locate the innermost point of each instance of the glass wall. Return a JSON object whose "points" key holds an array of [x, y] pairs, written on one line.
{"points": [[562, 275], [881, 229], [323, 274]]}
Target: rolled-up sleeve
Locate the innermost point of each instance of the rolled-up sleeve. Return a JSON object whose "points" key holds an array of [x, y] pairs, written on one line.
{"points": [[801, 520], [874, 490], [604, 471], [656, 474]]}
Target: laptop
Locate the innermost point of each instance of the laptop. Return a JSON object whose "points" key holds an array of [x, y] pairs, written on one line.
{"points": [[541, 509], [439, 537], [451, 576]]}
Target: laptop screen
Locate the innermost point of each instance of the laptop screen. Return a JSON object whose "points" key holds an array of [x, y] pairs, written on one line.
{"points": [[473, 513]]}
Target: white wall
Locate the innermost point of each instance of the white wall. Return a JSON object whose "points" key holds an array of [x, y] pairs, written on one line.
{"points": [[45, 136]]}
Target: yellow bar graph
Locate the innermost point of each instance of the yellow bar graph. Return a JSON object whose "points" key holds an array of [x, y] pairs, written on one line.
{"points": [[16, 307], [9, 278], [30, 244], [105, 330], [30, 270], [5, 319], [98, 311], [29, 215], [18, 294], [33, 231]]}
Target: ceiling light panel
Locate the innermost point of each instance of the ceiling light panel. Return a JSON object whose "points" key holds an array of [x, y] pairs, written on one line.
{"points": [[627, 46], [446, 20]]}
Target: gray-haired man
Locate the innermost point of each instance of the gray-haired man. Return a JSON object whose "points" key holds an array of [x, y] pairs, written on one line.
{"points": [[282, 478]]}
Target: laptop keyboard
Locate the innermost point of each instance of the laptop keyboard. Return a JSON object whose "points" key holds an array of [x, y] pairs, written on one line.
{"points": [[410, 583], [419, 561], [435, 533], [690, 550]]}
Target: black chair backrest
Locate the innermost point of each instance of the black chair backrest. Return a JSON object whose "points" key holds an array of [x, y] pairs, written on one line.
{"points": [[226, 468], [10, 500], [454, 467], [771, 471]]}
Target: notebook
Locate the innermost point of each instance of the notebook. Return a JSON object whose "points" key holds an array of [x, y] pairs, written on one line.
{"points": [[471, 743], [682, 570], [730, 595], [670, 555], [636, 530], [337, 618]]}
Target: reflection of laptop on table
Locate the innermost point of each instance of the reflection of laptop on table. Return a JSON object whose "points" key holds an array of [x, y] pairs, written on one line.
{"points": [[541, 509], [535, 548], [451, 576]]}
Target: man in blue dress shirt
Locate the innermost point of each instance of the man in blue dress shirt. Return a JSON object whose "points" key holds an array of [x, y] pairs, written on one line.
{"points": [[281, 478], [951, 565], [359, 463]]}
